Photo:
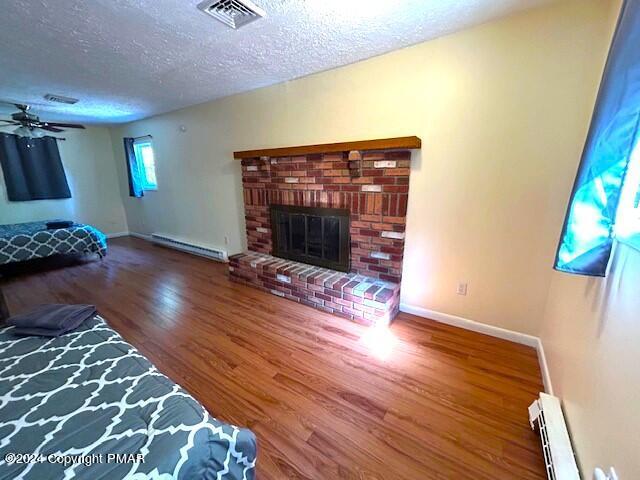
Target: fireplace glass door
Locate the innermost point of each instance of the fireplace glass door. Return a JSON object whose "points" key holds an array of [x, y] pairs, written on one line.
{"points": [[318, 236]]}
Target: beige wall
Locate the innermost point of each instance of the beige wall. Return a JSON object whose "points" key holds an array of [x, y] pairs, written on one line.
{"points": [[591, 338], [502, 110], [95, 195]]}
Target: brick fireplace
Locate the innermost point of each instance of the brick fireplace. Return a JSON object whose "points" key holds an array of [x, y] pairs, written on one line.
{"points": [[372, 187]]}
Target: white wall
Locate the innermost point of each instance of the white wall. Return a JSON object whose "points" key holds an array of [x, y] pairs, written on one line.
{"points": [[87, 156], [502, 110]]}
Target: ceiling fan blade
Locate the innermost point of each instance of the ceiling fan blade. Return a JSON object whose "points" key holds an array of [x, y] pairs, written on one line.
{"points": [[50, 129], [10, 122], [65, 125], [6, 102]]}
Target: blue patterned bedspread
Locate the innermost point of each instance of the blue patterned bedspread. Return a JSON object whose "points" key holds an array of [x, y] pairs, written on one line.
{"points": [[87, 395], [25, 241]]}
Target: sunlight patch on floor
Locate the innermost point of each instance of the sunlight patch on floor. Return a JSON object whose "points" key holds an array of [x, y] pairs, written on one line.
{"points": [[380, 341]]}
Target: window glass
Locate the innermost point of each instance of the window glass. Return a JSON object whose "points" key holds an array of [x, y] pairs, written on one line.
{"points": [[146, 164], [628, 216]]}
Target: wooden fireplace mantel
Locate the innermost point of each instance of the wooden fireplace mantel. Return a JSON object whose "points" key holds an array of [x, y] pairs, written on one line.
{"points": [[378, 144]]}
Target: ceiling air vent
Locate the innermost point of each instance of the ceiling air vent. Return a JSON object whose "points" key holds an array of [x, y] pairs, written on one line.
{"points": [[60, 99], [233, 13]]}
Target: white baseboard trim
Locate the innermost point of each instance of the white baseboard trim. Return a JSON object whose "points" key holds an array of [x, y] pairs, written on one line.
{"points": [[491, 330], [472, 325], [117, 234], [141, 236]]}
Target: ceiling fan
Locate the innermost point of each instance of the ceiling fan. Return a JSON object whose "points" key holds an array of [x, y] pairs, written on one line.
{"points": [[30, 125]]}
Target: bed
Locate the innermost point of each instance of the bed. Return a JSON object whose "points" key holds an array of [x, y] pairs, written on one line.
{"points": [[26, 241], [86, 396]]}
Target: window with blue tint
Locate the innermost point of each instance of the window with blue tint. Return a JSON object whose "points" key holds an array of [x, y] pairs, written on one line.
{"points": [[143, 150], [628, 216], [596, 216]]}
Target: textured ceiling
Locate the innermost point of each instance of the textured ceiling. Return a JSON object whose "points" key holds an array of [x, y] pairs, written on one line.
{"points": [[130, 59]]}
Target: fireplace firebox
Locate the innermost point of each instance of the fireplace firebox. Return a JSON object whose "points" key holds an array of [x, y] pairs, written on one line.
{"points": [[313, 235]]}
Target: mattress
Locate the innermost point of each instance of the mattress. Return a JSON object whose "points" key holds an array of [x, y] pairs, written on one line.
{"points": [[88, 405], [26, 241]]}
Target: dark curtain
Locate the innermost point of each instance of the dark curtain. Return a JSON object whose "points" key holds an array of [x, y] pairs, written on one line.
{"points": [[133, 170], [587, 237], [32, 168]]}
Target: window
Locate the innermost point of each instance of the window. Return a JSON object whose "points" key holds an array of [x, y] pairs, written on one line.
{"points": [[628, 216], [143, 151]]}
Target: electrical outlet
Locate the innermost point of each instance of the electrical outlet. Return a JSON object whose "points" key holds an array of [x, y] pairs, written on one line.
{"points": [[226, 240], [462, 288]]}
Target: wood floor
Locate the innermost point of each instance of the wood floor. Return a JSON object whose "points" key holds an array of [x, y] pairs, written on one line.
{"points": [[445, 404]]}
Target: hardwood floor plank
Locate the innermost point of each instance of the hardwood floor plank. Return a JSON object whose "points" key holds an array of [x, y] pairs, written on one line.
{"points": [[445, 404]]}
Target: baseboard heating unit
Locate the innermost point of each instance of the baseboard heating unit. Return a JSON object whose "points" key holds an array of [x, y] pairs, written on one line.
{"points": [[189, 247], [545, 415]]}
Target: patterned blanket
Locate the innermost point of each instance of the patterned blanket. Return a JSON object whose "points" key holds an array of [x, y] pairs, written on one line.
{"points": [[87, 405], [24, 241]]}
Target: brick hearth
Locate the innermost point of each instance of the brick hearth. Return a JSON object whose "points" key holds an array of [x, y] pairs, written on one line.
{"points": [[356, 297], [373, 186]]}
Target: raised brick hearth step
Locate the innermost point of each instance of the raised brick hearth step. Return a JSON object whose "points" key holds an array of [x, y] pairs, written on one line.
{"points": [[357, 297]]}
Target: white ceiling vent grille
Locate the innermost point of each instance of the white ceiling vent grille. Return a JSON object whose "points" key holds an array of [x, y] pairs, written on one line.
{"points": [[60, 99], [233, 13]]}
